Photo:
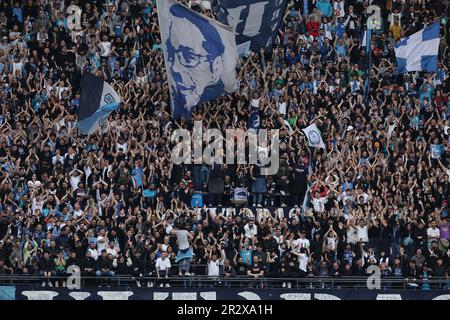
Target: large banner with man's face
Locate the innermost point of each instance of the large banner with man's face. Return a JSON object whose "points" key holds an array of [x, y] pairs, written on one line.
{"points": [[256, 21]]}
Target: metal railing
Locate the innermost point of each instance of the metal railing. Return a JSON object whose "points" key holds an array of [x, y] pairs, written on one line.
{"points": [[197, 281]]}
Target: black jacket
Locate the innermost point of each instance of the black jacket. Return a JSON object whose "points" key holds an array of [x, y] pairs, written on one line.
{"points": [[104, 263], [88, 263], [73, 262], [46, 264], [122, 268]]}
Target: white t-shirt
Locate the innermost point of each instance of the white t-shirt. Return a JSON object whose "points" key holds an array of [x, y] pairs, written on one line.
{"points": [[250, 232], [255, 103], [339, 8], [352, 235], [301, 243], [17, 66], [282, 108], [60, 90], [123, 146], [362, 233], [106, 48], [163, 264], [113, 252], [102, 243], [57, 158], [213, 268], [74, 181], [94, 253], [303, 261], [319, 204], [77, 213]]}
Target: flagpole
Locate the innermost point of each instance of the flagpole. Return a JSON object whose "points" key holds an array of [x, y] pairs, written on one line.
{"points": [[369, 63]]}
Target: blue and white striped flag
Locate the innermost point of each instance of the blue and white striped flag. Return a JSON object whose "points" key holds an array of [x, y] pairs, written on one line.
{"points": [[98, 99], [418, 52]]}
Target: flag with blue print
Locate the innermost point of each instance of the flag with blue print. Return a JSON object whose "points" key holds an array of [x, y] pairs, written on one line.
{"points": [[200, 55], [418, 52], [256, 22], [254, 121], [98, 99], [314, 136]]}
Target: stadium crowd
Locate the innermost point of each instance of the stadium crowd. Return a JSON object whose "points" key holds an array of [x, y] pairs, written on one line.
{"points": [[113, 203]]}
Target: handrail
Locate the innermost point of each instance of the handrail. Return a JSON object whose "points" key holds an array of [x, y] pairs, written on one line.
{"points": [[239, 281]]}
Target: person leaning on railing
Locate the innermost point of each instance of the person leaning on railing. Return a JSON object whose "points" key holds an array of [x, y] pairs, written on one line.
{"points": [[227, 272], [163, 266]]}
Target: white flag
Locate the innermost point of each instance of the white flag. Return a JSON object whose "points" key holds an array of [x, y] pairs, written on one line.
{"points": [[314, 136], [200, 55]]}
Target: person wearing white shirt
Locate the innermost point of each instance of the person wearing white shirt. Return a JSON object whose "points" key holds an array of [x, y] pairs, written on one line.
{"points": [[433, 234], [112, 250], [214, 264], [338, 7], [319, 202], [105, 47], [250, 229], [327, 29], [362, 231], [77, 211], [162, 269], [278, 236], [93, 250], [102, 241], [37, 204], [282, 106], [75, 178], [301, 242], [303, 259]]}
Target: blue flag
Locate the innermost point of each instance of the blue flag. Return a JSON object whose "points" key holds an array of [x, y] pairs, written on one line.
{"points": [[200, 55], [98, 99], [256, 21]]}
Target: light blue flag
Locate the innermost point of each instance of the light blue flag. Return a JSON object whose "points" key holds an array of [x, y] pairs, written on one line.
{"points": [[200, 55], [418, 52], [98, 99]]}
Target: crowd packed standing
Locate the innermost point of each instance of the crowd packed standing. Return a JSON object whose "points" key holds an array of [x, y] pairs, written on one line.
{"points": [[113, 203]]}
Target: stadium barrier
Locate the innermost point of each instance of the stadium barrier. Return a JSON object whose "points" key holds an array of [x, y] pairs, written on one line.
{"points": [[235, 294], [237, 282]]}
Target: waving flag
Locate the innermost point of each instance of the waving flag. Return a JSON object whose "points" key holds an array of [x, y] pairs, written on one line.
{"points": [[98, 99], [314, 136], [200, 55], [418, 52], [254, 121]]}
